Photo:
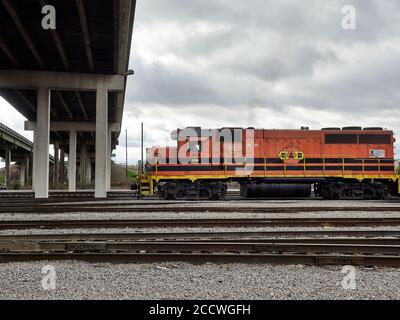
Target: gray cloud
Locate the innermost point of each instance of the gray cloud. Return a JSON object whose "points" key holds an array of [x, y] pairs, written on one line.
{"points": [[168, 85]]}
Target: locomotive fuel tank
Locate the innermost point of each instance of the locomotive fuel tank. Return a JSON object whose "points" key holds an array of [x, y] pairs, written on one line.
{"points": [[276, 190]]}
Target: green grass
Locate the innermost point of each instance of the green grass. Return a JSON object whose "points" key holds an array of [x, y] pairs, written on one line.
{"points": [[132, 174], [2, 179]]}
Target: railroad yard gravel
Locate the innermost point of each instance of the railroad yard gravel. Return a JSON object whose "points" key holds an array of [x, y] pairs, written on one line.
{"points": [[189, 215], [80, 280], [188, 229], [76, 280], [146, 204], [395, 202]]}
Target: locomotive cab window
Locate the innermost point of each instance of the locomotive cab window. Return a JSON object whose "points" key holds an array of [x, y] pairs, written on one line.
{"points": [[375, 139], [341, 138], [361, 139]]}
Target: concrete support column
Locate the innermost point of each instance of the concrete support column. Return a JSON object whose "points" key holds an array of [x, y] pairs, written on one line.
{"points": [[82, 166], [34, 161], [101, 141], [8, 167], [72, 162], [62, 166], [109, 163], [56, 165], [42, 140], [27, 169], [88, 173], [23, 174]]}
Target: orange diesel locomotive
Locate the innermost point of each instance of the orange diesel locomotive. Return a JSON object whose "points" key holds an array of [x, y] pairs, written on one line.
{"points": [[351, 162]]}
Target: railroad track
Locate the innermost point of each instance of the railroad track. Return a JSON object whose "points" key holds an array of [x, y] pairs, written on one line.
{"points": [[196, 223], [306, 259], [62, 242], [290, 236], [363, 247], [55, 196], [46, 208], [191, 251], [180, 246]]}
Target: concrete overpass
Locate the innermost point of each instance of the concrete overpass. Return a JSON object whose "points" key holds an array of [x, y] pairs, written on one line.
{"points": [[69, 82]]}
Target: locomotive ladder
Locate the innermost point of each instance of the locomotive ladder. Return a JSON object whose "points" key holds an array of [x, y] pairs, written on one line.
{"points": [[145, 186]]}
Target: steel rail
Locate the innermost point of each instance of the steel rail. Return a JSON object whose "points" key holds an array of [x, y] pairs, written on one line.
{"points": [[307, 259], [339, 236], [329, 241], [175, 223], [201, 247], [127, 207]]}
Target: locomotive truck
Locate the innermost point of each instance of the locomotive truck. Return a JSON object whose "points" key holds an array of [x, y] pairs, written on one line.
{"points": [[337, 163]]}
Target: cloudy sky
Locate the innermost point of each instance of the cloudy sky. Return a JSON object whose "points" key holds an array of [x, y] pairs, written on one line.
{"points": [[258, 63]]}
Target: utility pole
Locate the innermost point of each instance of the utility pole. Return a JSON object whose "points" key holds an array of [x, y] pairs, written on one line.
{"points": [[126, 154], [142, 146]]}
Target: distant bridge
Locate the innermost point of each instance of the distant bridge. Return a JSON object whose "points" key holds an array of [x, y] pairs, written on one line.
{"points": [[13, 138], [16, 148]]}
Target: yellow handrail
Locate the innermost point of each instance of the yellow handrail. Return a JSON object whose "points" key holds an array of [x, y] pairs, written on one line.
{"points": [[265, 167]]}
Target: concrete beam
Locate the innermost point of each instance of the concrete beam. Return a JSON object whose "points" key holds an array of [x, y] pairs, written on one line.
{"points": [[72, 162], [85, 31], [42, 140], [26, 101], [68, 81], [57, 42], [82, 105], [124, 12], [72, 125], [64, 104], [9, 54], [20, 27]]}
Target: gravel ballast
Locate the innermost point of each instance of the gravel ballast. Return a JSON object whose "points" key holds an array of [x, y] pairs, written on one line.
{"points": [[190, 215], [188, 229], [76, 280], [248, 203]]}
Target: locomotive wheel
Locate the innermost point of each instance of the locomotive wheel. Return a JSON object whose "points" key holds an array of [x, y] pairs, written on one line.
{"points": [[339, 190], [369, 194], [192, 190]]}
